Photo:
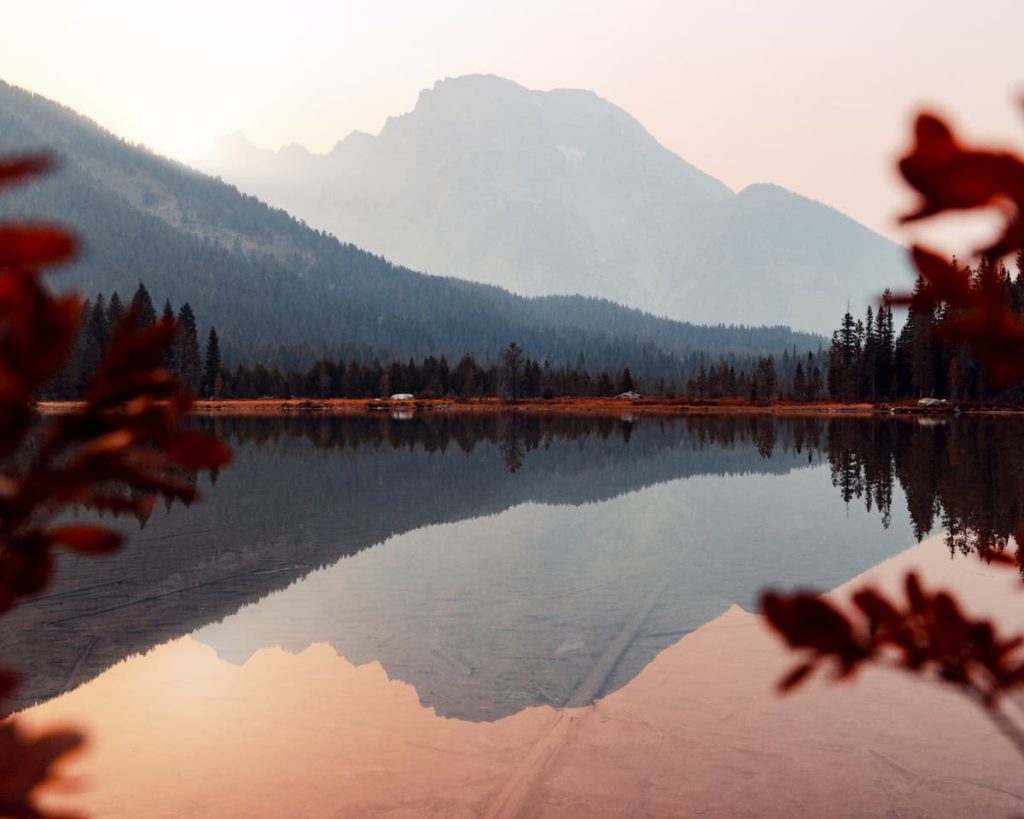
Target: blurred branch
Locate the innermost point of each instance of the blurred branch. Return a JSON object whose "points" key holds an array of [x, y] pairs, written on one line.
{"points": [[928, 633], [126, 435]]}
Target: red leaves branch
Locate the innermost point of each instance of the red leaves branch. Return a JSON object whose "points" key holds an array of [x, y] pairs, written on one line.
{"points": [[950, 176], [928, 633], [127, 434], [25, 762], [23, 168]]}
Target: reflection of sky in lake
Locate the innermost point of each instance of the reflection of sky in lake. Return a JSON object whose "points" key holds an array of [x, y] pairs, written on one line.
{"points": [[700, 731], [489, 615], [497, 562], [598, 572]]}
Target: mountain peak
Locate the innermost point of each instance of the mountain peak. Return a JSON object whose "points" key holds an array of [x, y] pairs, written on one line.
{"points": [[469, 83], [295, 150], [562, 191], [484, 89], [452, 98], [236, 141]]}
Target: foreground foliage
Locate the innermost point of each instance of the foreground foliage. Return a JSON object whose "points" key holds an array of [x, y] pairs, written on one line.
{"points": [[113, 454], [928, 633]]}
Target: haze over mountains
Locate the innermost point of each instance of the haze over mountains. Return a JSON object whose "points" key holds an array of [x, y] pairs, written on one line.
{"points": [[281, 292], [564, 192]]}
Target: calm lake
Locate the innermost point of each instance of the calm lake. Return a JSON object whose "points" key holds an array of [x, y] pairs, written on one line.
{"points": [[496, 567]]}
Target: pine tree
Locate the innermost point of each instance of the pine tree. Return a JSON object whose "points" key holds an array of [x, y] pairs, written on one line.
{"points": [[444, 375], [885, 339], [835, 368], [211, 370], [142, 304], [396, 379], [799, 383], [115, 311], [513, 357], [99, 326], [765, 378], [464, 378], [187, 362], [91, 347], [1017, 285], [167, 355], [844, 359], [956, 378], [532, 379], [815, 384], [63, 386], [920, 341], [869, 358]]}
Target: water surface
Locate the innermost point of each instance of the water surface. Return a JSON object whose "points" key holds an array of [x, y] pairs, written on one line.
{"points": [[492, 569]]}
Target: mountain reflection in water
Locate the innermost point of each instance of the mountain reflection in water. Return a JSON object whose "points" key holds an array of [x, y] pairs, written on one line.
{"points": [[699, 732], [516, 560]]}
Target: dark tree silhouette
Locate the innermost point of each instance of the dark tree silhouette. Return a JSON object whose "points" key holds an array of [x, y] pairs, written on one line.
{"points": [[186, 357], [115, 310], [513, 358], [142, 305], [210, 387], [170, 352]]}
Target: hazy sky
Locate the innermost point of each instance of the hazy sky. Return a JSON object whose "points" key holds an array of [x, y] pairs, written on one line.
{"points": [[813, 95]]}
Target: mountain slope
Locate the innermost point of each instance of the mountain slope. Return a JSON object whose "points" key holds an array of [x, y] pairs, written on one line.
{"points": [[267, 280], [563, 192]]}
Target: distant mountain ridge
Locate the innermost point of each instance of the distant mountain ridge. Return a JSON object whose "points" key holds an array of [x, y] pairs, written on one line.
{"points": [[284, 293], [564, 192]]}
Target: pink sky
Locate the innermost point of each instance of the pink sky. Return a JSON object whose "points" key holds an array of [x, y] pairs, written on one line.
{"points": [[813, 96]]}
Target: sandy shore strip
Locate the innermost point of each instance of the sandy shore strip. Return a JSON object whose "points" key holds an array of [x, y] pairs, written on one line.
{"points": [[607, 407]]}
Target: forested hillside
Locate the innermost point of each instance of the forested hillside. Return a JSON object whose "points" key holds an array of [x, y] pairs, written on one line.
{"points": [[281, 292]]}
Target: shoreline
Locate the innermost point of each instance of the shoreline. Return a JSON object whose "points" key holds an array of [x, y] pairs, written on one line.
{"points": [[608, 407]]}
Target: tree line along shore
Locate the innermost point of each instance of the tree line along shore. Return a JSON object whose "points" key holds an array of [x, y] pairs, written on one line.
{"points": [[867, 362]]}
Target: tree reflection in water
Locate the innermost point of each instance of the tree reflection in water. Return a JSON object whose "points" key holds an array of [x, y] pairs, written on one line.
{"points": [[308, 490], [474, 616], [959, 474], [962, 475]]}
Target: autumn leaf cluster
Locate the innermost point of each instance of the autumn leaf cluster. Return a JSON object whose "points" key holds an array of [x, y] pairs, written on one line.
{"points": [[928, 632], [123, 445], [952, 177]]}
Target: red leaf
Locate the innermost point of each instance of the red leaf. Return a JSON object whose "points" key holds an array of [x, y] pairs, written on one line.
{"points": [[879, 610], [795, 677], [112, 443], [23, 168], [195, 450], [915, 595], [950, 177], [26, 569], [806, 620], [27, 246], [26, 763], [94, 540]]}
